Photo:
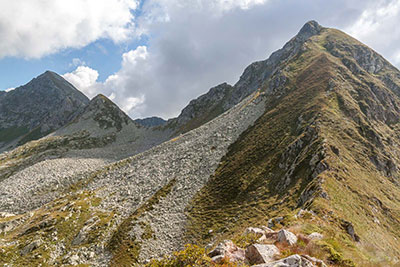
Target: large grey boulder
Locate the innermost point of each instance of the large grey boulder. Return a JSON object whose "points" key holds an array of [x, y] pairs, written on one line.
{"points": [[260, 253], [227, 249], [31, 247], [287, 237]]}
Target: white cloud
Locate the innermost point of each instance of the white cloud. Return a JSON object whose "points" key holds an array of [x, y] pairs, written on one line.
{"points": [[378, 27], [32, 28], [77, 62], [84, 78], [196, 44], [9, 89], [125, 87]]}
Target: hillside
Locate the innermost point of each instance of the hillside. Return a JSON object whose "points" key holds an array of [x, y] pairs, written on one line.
{"points": [[306, 141], [332, 152]]}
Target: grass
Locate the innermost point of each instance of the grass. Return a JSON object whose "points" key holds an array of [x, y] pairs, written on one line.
{"points": [[9, 134], [62, 218]]}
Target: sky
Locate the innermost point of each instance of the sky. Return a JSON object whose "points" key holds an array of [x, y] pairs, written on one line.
{"points": [[151, 57]]}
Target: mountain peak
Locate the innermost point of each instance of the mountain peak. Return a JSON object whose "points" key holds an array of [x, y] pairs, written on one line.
{"points": [[49, 75], [151, 121], [309, 29], [105, 113], [101, 98]]}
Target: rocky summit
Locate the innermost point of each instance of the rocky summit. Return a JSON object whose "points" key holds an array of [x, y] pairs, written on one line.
{"points": [[36, 109], [294, 165]]}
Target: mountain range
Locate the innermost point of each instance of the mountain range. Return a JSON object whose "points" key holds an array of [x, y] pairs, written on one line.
{"points": [[296, 164]]}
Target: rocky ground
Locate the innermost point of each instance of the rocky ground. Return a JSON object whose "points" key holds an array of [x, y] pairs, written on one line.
{"points": [[185, 163], [189, 159]]}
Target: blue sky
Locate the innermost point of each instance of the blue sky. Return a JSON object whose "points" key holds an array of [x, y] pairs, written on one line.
{"points": [[152, 57], [102, 55]]}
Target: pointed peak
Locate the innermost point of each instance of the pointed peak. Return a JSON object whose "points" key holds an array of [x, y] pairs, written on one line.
{"points": [[102, 100], [309, 29], [100, 97], [48, 74]]}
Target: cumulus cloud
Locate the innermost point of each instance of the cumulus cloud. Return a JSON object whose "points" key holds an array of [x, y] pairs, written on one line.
{"points": [[31, 29], [85, 79], [378, 27], [77, 62]]}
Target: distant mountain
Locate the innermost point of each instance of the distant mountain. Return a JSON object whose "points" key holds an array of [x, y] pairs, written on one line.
{"points": [[98, 117], [33, 110], [151, 121]]}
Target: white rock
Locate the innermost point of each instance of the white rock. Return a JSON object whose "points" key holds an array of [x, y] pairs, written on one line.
{"points": [[254, 230], [285, 236], [316, 236], [291, 261], [259, 253]]}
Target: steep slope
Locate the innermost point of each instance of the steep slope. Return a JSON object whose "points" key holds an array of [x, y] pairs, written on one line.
{"points": [[327, 143], [33, 110], [99, 135]]}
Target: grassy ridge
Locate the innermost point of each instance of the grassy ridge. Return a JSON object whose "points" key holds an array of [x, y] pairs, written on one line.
{"points": [[318, 146]]}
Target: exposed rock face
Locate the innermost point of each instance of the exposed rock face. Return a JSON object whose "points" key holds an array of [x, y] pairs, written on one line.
{"points": [[291, 261], [151, 121], [202, 109], [43, 105], [99, 117]]}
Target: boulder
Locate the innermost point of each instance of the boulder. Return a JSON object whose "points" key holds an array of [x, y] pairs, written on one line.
{"points": [[316, 261], [274, 221], [254, 230], [315, 236], [287, 237], [8, 226], [229, 250], [31, 247], [218, 258], [267, 229], [291, 261], [260, 253]]}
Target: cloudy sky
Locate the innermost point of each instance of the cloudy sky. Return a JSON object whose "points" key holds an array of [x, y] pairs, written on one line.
{"points": [[153, 56]]}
